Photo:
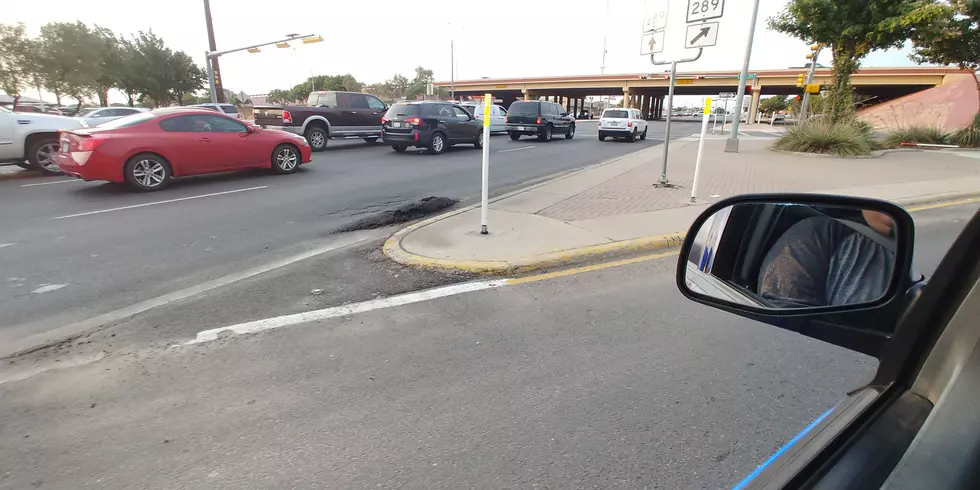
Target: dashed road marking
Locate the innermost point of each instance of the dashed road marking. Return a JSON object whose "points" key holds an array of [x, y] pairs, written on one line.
{"points": [[154, 203], [47, 288], [52, 182], [516, 149]]}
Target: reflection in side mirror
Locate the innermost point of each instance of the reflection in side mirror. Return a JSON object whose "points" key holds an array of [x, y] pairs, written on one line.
{"points": [[775, 256]]}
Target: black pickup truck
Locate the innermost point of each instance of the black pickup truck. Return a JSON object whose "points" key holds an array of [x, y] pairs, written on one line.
{"points": [[327, 115]]}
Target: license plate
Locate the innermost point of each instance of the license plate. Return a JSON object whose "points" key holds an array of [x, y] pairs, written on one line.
{"points": [[613, 123], [523, 128], [396, 124]]}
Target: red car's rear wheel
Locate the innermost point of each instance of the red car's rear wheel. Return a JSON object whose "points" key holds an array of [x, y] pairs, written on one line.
{"points": [[147, 172]]}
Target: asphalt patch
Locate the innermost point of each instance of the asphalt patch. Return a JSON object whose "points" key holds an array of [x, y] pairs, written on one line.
{"points": [[402, 214]]}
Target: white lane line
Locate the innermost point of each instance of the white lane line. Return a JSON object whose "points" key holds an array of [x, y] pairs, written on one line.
{"points": [[52, 182], [333, 312], [128, 311], [516, 149], [47, 288], [154, 203], [4, 245]]}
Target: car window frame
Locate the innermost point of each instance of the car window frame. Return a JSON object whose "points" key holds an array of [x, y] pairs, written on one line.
{"points": [[381, 105], [462, 113], [218, 116]]}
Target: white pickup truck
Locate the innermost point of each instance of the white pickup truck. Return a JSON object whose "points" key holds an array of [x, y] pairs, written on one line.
{"points": [[32, 138]]}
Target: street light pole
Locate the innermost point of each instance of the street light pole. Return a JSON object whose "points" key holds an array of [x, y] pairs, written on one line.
{"points": [[731, 144], [210, 57], [452, 70], [214, 70]]}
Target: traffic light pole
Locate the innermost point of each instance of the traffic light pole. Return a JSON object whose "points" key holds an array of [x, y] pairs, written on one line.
{"points": [[809, 80], [731, 144]]}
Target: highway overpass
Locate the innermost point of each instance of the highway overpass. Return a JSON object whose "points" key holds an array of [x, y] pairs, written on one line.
{"points": [[647, 91]]}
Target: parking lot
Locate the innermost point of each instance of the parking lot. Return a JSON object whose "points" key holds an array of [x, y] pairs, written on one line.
{"points": [[73, 250]]}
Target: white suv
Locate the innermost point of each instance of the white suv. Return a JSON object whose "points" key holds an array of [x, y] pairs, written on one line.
{"points": [[622, 123], [33, 138]]}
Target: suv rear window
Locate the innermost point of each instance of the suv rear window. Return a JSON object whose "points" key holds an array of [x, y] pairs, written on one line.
{"points": [[403, 110], [525, 108], [618, 114], [230, 109]]}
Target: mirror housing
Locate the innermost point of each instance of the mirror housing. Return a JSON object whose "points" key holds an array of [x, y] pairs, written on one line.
{"points": [[726, 268], [249, 128]]}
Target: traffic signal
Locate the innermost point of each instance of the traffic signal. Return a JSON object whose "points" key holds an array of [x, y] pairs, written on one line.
{"points": [[801, 80]]}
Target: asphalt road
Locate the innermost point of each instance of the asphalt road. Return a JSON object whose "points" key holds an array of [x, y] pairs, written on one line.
{"points": [[602, 379], [60, 267]]}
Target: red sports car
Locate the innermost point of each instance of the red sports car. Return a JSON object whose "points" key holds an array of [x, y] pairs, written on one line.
{"points": [[146, 150]]}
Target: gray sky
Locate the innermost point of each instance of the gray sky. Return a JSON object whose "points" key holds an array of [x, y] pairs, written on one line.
{"points": [[374, 40]]}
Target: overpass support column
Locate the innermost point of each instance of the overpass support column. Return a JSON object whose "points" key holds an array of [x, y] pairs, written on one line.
{"points": [[645, 107], [575, 107], [754, 107]]}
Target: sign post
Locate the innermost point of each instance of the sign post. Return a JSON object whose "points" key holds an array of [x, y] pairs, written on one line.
{"points": [[731, 144], [704, 131], [487, 103], [678, 45]]}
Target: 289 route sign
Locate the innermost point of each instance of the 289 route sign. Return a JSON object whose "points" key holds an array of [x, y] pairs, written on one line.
{"points": [[701, 10]]}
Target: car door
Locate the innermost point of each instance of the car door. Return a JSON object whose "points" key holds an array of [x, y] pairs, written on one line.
{"points": [[499, 119], [226, 143], [7, 147], [186, 148], [376, 110], [468, 126], [361, 114]]}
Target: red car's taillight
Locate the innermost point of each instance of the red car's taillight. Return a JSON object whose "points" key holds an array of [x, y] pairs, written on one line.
{"points": [[88, 143], [287, 118]]}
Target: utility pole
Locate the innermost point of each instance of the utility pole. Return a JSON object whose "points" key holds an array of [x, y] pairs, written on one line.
{"points": [[452, 70], [215, 72], [731, 144], [814, 52]]}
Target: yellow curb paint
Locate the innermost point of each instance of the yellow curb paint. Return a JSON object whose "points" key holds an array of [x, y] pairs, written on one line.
{"points": [[941, 205], [590, 268], [393, 250]]}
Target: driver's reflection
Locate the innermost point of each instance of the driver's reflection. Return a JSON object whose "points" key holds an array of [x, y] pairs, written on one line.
{"points": [[821, 261]]}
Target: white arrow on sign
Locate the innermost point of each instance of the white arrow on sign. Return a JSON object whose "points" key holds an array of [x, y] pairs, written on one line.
{"points": [[652, 42], [701, 35]]}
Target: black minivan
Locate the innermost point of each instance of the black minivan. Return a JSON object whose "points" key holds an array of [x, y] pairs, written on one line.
{"points": [[541, 118], [430, 124]]}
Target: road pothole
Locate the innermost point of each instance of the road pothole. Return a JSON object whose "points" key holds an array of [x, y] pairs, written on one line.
{"points": [[401, 214]]}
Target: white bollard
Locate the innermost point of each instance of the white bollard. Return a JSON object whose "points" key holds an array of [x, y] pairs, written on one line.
{"points": [[487, 103], [697, 164]]}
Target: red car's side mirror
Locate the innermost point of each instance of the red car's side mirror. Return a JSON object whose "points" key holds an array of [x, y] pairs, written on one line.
{"points": [[250, 129]]}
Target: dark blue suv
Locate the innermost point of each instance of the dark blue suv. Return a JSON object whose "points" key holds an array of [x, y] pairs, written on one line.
{"points": [[431, 125]]}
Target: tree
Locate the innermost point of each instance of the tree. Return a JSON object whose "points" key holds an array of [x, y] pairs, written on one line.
{"points": [[16, 72], [155, 81], [398, 85], [773, 104], [281, 97], [129, 78], [71, 57], [945, 33], [110, 64], [851, 29], [423, 78], [187, 77]]}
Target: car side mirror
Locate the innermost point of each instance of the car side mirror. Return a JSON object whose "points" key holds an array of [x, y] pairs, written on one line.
{"points": [[829, 267], [249, 129]]}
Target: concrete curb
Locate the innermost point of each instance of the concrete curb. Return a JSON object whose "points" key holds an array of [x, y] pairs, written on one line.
{"points": [[393, 250]]}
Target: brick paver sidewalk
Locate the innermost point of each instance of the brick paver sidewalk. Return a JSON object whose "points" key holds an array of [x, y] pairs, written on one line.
{"points": [[753, 169]]}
